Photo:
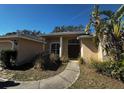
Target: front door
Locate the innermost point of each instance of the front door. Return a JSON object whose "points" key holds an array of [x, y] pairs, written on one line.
{"points": [[73, 48]]}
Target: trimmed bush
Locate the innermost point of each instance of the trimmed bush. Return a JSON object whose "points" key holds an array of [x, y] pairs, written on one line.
{"points": [[8, 58]]}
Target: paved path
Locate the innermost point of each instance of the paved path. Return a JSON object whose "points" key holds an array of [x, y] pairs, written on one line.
{"points": [[63, 80]]}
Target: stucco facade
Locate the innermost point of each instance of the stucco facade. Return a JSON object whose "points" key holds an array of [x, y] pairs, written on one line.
{"points": [[62, 40], [65, 45], [88, 49], [5, 44], [26, 48], [64, 48]]}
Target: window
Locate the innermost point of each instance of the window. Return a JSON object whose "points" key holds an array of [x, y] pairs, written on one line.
{"points": [[55, 47]]}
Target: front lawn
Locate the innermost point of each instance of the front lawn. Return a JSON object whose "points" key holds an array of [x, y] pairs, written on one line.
{"points": [[30, 74], [90, 79]]}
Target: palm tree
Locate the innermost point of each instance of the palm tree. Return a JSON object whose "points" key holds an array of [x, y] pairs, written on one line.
{"points": [[115, 26], [108, 31]]}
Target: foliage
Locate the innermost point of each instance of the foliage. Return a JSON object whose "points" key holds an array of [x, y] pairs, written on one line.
{"points": [[87, 29], [33, 33], [90, 79], [68, 28], [116, 28], [8, 58], [81, 60], [39, 63], [65, 59], [53, 57], [109, 32], [47, 61], [113, 69]]}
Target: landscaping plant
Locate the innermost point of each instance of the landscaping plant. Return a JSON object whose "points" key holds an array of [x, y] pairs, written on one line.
{"points": [[8, 58], [48, 61], [109, 68], [109, 31], [81, 60], [65, 59]]}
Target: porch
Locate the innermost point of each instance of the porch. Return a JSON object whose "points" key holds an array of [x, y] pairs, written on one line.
{"points": [[63, 46]]}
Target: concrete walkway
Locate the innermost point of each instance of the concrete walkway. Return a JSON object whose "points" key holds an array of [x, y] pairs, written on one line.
{"points": [[63, 80]]}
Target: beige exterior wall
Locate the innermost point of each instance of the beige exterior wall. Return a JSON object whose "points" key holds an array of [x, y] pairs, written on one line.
{"points": [[49, 40], [88, 49], [4, 44], [27, 50], [65, 47]]}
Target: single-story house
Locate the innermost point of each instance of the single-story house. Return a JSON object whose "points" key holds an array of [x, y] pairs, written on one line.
{"points": [[27, 47], [72, 45], [66, 44]]}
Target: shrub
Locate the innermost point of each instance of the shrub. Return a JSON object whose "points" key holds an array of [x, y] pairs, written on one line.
{"points": [[122, 56], [122, 74], [81, 60], [65, 59], [39, 63], [2, 63], [53, 57], [103, 67], [54, 62], [113, 69], [48, 61], [8, 58]]}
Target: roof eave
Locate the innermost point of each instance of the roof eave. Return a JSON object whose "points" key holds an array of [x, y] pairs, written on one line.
{"points": [[85, 36], [62, 34], [23, 37]]}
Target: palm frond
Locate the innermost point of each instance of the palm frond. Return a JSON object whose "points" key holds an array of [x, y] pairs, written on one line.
{"points": [[108, 13], [117, 32], [119, 13]]}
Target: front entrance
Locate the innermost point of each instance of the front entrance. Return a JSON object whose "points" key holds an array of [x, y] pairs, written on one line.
{"points": [[73, 48]]}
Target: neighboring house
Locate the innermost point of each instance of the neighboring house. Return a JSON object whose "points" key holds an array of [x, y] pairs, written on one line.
{"points": [[72, 45], [66, 44], [27, 48]]}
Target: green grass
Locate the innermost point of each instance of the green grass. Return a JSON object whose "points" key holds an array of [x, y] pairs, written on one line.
{"points": [[90, 79]]}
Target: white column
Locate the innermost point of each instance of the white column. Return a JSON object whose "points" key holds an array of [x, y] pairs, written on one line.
{"points": [[100, 52], [60, 50], [81, 44]]}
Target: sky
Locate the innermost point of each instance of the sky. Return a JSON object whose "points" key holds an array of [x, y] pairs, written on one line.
{"points": [[44, 17]]}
